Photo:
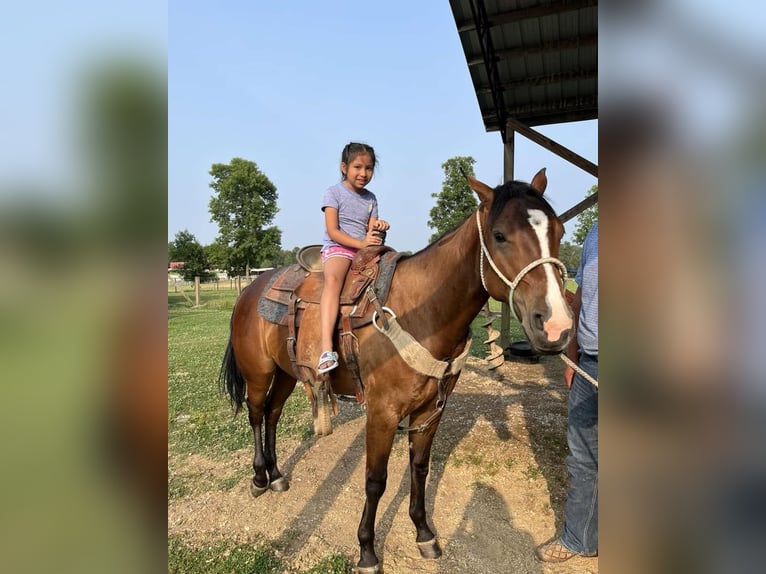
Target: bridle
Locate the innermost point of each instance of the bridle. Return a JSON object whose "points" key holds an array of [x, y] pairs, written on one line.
{"points": [[519, 276]]}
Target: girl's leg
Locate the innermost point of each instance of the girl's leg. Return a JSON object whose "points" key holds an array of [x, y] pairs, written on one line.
{"points": [[335, 269]]}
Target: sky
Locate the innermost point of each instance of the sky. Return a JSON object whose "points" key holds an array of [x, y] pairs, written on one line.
{"points": [[288, 84]]}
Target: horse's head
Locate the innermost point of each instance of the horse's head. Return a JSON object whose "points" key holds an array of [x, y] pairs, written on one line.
{"points": [[520, 234]]}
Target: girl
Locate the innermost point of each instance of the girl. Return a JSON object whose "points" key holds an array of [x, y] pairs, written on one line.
{"points": [[351, 222]]}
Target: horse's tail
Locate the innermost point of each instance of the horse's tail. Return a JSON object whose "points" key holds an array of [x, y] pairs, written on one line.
{"points": [[231, 380]]}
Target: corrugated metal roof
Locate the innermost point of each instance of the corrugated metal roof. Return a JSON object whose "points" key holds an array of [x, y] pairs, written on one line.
{"points": [[533, 61]]}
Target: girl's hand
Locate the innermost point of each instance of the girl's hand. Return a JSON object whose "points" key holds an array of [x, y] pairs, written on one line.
{"points": [[372, 239], [381, 225]]}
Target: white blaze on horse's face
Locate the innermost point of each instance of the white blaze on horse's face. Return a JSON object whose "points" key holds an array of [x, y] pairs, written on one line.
{"points": [[560, 318]]}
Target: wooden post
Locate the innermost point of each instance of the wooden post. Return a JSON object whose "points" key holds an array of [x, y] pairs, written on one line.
{"points": [[196, 291], [508, 160], [239, 285]]}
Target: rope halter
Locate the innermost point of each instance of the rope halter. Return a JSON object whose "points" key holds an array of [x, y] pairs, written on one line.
{"points": [[512, 284]]}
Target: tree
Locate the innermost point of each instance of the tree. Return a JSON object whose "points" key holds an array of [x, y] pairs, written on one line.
{"points": [[586, 219], [217, 255], [285, 258], [186, 248], [456, 200], [244, 205], [569, 254]]}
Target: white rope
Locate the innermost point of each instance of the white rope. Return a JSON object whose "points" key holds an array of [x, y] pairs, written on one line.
{"points": [[577, 368], [519, 276], [513, 284]]}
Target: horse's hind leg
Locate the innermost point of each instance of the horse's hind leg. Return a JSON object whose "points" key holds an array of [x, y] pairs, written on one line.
{"points": [[420, 455], [256, 399], [281, 389]]}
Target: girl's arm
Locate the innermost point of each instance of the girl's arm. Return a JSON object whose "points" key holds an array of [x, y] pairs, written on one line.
{"points": [[338, 236]]}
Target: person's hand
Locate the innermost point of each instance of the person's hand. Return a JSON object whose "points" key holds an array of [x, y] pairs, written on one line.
{"points": [[569, 376], [372, 239], [381, 225]]}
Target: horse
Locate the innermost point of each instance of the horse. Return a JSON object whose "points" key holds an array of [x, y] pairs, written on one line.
{"points": [[434, 295]]}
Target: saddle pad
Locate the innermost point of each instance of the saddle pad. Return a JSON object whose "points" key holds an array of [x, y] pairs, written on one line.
{"points": [[270, 310]]}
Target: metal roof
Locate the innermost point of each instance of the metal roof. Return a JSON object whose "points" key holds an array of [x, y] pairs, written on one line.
{"points": [[530, 60]]}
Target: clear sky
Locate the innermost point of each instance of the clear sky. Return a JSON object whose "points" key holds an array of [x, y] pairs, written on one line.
{"points": [[288, 84]]}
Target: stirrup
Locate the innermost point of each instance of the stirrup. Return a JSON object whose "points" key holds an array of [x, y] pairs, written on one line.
{"points": [[327, 357]]}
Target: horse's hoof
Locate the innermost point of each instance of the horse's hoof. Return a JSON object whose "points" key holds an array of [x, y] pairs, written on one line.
{"points": [[377, 569], [279, 485], [256, 490], [430, 549]]}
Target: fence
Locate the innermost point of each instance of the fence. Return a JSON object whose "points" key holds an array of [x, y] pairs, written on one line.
{"points": [[181, 286]]}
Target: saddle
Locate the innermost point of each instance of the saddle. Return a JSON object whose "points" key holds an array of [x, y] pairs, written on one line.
{"points": [[291, 299]]}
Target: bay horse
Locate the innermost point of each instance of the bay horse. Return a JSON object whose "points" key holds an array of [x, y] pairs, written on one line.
{"points": [[434, 296]]}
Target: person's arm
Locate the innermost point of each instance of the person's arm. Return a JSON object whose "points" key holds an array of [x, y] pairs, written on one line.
{"points": [[342, 238], [573, 349]]}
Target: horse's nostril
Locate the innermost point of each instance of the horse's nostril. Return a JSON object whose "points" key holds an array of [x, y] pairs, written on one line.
{"points": [[538, 320]]}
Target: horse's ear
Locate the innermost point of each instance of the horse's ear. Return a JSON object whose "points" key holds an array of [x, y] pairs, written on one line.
{"points": [[540, 182], [484, 192]]}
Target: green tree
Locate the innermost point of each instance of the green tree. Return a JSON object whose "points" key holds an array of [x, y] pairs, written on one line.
{"points": [[217, 256], [285, 258], [244, 205], [186, 248], [586, 219], [456, 200], [569, 254]]}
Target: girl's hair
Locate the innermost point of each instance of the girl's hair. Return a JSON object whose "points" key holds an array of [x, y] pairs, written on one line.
{"points": [[353, 149]]}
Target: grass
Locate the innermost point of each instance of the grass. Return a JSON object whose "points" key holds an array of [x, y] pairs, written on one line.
{"points": [[200, 417], [222, 558], [227, 558]]}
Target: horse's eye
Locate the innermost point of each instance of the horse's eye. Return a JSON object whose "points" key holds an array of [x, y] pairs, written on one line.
{"points": [[499, 237]]}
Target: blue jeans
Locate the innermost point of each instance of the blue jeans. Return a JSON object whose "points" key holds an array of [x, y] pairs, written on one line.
{"points": [[581, 512]]}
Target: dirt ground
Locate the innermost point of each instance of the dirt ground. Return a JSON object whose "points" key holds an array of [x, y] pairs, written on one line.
{"points": [[495, 491]]}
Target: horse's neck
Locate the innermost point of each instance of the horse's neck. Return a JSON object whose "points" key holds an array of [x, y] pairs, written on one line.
{"points": [[445, 282]]}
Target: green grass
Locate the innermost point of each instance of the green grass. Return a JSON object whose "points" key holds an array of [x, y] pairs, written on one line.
{"points": [[222, 558], [200, 417], [228, 558]]}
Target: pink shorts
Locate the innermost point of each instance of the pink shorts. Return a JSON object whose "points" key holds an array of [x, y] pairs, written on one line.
{"points": [[338, 251]]}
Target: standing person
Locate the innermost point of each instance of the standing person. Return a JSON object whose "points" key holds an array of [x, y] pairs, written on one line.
{"points": [[351, 222], [580, 535]]}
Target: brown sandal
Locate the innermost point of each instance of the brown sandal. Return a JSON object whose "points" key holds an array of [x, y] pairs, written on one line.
{"points": [[554, 551]]}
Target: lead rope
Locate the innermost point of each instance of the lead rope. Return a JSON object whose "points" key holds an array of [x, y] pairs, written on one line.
{"points": [[577, 368], [513, 284]]}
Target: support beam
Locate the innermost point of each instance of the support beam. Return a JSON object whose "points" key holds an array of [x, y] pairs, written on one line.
{"points": [[553, 146], [579, 208], [505, 309]]}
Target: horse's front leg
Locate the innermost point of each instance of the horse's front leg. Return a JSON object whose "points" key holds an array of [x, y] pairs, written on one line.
{"points": [[380, 438], [420, 457]]}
